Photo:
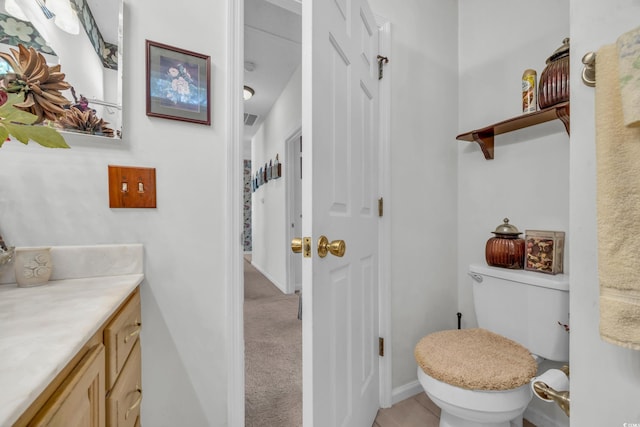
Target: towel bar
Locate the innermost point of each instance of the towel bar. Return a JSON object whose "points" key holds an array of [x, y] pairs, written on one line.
{"points": [[589, 70]]}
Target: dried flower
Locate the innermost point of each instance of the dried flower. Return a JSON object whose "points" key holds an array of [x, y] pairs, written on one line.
{"points": [[18, 124], [85, 121], [37, 83]]}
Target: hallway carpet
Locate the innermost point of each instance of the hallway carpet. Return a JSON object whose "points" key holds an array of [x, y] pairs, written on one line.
{"points": [[273, 354]]}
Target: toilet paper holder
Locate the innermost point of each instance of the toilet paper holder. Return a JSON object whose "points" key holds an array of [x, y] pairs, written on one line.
{"points": [[561, 397]]}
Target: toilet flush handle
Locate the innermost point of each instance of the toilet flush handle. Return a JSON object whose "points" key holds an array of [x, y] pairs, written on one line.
{"points": [[476, 277]]}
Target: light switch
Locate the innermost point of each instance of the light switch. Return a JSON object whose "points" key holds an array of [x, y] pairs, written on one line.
{"points": [[132, 187]]}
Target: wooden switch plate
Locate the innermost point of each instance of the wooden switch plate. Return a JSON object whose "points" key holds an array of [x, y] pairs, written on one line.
{"points": [[132, 187]]}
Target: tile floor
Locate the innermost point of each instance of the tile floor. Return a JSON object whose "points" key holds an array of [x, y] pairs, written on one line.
{"points": [[416, 411]]}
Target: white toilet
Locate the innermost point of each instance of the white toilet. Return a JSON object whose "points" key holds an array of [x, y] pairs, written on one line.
{"points": [[480, 377]]}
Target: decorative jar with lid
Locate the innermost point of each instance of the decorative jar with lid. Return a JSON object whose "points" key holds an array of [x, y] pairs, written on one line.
{"points": [[553, 87], [506, 249]]}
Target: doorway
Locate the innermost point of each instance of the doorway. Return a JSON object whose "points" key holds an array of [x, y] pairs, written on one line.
{"points": [[272, 327], [236, 352]]}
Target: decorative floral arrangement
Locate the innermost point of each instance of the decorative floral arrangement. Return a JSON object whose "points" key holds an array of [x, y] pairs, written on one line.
{"points": [[176, 86], [81, 117], [180, 84], [30, 95], [39, 84], [17, 123]]}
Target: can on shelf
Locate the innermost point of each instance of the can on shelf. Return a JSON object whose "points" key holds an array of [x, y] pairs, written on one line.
{"points": [[529, 91]]}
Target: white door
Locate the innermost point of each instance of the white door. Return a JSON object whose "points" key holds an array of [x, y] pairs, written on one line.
{"points": [[339, 200]]}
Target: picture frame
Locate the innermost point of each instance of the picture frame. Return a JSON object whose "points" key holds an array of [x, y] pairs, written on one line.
{"points": [[178, 84], [544, 251]]}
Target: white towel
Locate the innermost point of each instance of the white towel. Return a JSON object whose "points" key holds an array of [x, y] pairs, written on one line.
{"points": [[618, 202], [628, 46]]}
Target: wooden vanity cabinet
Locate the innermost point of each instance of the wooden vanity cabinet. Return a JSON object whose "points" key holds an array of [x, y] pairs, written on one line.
{"points": [[79, 401], [120, 335], [123, 365], [101, 386], [123, 402]]}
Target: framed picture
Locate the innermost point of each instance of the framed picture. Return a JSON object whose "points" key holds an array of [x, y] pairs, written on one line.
{"points": [[544, 251], [178, 84]]}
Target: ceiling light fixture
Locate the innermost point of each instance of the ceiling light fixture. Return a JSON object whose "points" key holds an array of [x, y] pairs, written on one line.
{"points": [[15, 10], [47, 13], [66, 17], [61, 11], [248, 93]]}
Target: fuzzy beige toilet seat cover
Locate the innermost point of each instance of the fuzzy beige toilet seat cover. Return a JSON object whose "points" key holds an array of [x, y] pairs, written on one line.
{"points": [[475, 359]]}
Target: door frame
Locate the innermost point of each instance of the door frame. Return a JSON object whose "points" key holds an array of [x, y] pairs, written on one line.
{"points": [[233, 224], [384, 226], [290, 198], [234, 251]]}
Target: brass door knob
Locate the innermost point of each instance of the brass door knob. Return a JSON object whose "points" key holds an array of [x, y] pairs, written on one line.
{"points": [[336, 247], [296, 245]]}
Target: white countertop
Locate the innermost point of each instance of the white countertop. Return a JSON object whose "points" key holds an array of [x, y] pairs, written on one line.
{"points": [[42, 328]]}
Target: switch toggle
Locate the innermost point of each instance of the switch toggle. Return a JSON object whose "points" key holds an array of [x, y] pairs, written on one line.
{"points": [[141, 179]]}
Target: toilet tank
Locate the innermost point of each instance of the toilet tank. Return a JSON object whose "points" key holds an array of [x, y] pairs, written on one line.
{"points": [[528, 307]]}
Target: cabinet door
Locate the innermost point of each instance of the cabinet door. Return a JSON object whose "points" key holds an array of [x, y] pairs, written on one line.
{"points": [[123, 402], [79, 401], [120, 336]]}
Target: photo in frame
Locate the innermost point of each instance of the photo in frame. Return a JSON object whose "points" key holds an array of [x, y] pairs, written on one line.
{"points": [[178, 84]]}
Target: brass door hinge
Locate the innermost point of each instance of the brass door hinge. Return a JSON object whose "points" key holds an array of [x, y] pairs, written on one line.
{"points": [[381, 346], [380, 206], [381, 61]]}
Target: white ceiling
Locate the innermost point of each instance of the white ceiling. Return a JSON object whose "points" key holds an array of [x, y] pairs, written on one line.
{"points": [[106, 12], [272, 41]]}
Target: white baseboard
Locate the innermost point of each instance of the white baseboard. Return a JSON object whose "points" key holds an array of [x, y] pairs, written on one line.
{"points": [[282, 288], [406, 391]]}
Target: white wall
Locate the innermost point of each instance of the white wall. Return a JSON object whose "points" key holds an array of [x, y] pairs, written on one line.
{"points": [[600, 372], [60, 197], [270, 231], [528, 179], [421, 206]]}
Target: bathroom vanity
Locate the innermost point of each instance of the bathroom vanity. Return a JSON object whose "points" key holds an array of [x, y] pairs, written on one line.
{"points": [[70, 349]]}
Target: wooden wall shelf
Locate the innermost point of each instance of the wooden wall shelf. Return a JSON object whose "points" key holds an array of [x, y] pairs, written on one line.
{"points": [[484, 136]]}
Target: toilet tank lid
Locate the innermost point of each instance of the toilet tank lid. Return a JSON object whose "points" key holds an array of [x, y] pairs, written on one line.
{"points": [[558, 281]]}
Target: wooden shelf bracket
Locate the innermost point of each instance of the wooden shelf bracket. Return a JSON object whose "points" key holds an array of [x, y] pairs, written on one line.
{"points": [[485, 141]]}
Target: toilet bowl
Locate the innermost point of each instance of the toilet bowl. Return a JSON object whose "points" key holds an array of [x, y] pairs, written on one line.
{"points": [[477, 377], [474, 408], [481, 377]]}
